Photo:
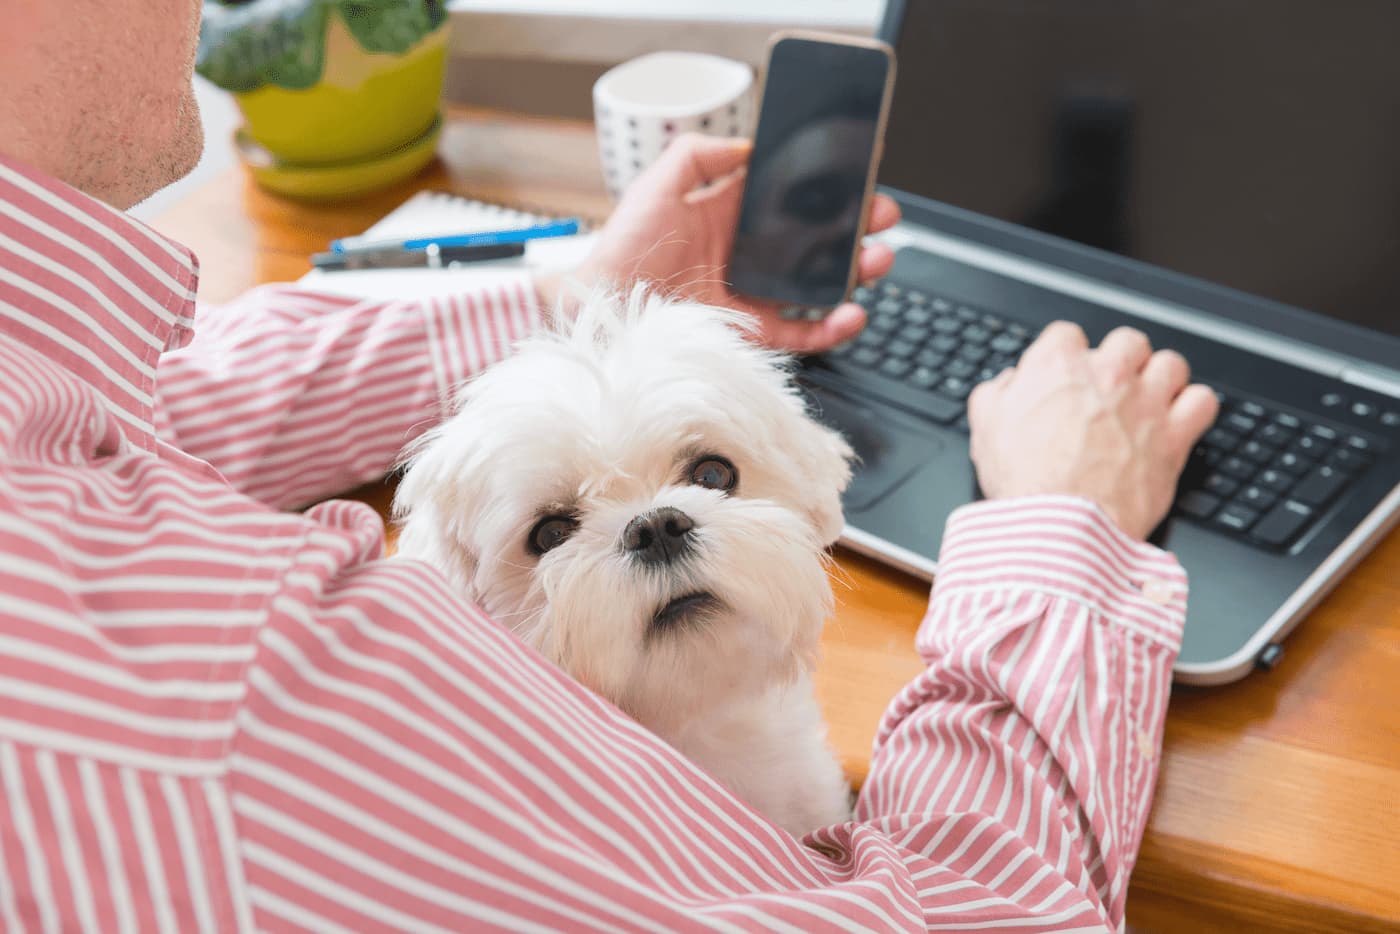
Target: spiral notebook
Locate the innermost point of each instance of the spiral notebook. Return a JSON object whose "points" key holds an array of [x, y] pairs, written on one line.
{"points": [[435, 213]]}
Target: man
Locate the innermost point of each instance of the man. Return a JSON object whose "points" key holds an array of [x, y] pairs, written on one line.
{"points": [[218, 716]]}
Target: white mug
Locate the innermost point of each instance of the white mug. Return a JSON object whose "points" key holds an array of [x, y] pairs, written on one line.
{"points": [[641, 105]]}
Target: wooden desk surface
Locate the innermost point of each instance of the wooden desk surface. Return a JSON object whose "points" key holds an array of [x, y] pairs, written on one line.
{"points": [[1279, 801]]}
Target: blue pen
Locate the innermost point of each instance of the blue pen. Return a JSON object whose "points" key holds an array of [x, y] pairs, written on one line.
{"points": [[562, 228]]}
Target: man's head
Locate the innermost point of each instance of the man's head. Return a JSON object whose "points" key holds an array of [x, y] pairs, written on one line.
{"points": [[99, 92]]}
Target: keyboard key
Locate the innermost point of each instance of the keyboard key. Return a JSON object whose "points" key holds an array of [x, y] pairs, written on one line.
{"points": [[1324, 432], [901, 349], [1331, 400], [961, 369], [1198, 503], [863, 295], [895, 366], [1253, 409], [1276, 481], [1391, 419], [930, 358], [1288, 421], [967, 314], [991, 323], [1276, 434], [941, 305], [1348, 459], [866, 356], [916, 298], [915, 334], [1236, 518], [976, 334], [1238, 467], [1239, 423], [944, 343], [1220, 438], [884, 323], [889, 288], [1282, 524], [1007, 343], [973, 353], [918, 316], [1259, 453], [1358, 443], [1311, 446], [1257, 498], [925, 378], [1321, 485], [1293, 462], [1220, 485], [1363, 409], [889, 306], [947, 325], [955, 388], [986, 373]]}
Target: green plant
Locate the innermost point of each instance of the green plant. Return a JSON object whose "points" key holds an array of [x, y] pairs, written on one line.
{"points": [[245, 44]]}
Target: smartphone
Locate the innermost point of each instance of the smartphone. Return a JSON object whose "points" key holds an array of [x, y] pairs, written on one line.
{"points": [[812, 171]]}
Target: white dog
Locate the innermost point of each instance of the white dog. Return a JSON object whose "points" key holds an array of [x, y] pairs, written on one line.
{"points": [[642, 497]]}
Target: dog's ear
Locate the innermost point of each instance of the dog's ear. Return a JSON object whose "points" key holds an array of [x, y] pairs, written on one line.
{"points": [[824, 461], [429, 507], [423, 536]]}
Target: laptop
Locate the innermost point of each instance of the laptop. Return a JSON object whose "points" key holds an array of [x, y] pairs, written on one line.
{"points": [[1223, 175]]}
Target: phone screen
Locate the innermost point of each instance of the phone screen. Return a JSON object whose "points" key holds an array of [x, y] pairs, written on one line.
{"points": [[818, 131]]}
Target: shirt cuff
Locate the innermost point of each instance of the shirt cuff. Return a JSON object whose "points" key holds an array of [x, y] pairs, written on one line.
{"points": [[469, 331], [1067, 547]]}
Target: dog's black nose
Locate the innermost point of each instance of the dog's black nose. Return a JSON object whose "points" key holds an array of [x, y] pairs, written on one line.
{"points": [[659, 536]]}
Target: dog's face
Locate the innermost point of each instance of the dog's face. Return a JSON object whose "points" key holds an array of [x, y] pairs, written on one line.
{"points": [[644, 500]]}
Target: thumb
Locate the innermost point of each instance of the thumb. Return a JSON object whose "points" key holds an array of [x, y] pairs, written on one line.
{"points": [[694, 160]]}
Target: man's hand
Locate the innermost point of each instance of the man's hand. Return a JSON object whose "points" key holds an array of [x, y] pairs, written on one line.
{"points": [[675, 225], [1114, 425]]}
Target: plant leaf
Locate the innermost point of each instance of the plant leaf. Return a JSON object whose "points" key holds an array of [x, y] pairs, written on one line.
{"points": [[281, 42], [391, 25]]}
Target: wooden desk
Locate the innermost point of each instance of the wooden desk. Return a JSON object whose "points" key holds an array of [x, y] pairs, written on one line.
{"points": [[1279, 802]]}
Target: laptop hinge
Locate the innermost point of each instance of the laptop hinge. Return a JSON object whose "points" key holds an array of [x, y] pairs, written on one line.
{"points": [[1383, 383]]}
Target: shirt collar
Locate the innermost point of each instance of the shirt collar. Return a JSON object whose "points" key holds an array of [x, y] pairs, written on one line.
{"points": [[92, 289]]}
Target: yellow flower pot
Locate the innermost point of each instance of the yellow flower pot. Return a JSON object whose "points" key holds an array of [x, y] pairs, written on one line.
{"points": [[366, 104]]}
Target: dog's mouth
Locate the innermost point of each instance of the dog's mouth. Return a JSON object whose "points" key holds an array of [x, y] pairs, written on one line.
{"points": [[684, 609]]}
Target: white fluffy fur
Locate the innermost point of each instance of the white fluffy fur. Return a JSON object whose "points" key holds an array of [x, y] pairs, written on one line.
{"points": [[602, 419]]}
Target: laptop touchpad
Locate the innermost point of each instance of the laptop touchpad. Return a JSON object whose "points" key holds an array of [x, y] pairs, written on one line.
{"points": [[889, 451]]}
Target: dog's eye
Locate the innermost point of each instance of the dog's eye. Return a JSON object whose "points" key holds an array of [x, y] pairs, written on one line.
{"points": [[550, 532], [714, 473]]}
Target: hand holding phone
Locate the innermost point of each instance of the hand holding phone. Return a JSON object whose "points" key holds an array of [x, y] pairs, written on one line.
{"points": [[812, 171]]}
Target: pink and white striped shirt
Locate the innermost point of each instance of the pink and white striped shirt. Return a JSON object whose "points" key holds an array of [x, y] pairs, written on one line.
{"points": [[217, 716]]}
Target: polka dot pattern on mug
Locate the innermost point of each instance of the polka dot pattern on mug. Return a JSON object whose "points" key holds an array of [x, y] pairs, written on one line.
{"points": [[644, 104]]}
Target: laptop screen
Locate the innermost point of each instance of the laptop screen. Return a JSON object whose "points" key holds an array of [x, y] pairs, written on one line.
{"points": [[1249, 143]]}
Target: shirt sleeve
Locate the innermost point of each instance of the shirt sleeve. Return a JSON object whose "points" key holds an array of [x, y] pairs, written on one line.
{"points": [[294, 395], [1022, 763], [402, 761]]}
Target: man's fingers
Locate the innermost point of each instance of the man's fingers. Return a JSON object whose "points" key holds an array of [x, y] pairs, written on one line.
{"points": [[1165, 376], [876, 260], [1059, 337], [1191, 413], [844, 323], [1121, 355], [884, 214], [693, 160]]}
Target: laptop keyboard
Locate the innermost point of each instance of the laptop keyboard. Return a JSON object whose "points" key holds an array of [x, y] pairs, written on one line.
{"points": [[1261, 474]]}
